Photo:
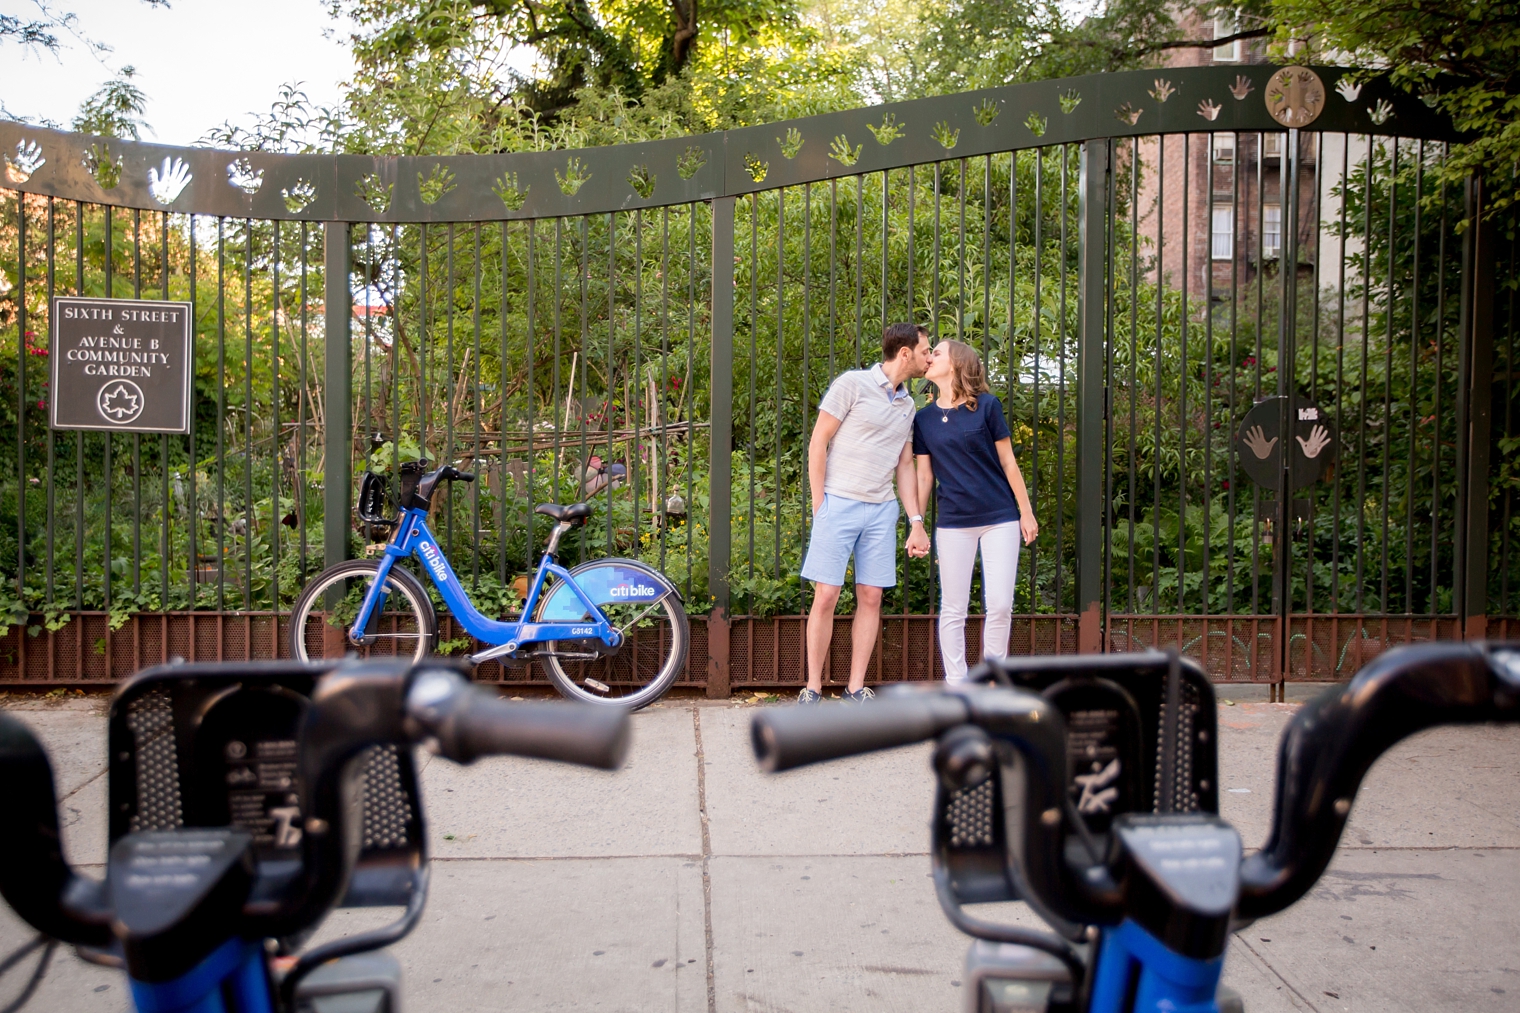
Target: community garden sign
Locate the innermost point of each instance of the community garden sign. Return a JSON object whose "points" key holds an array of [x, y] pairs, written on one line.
{"points": [[121, 364]]}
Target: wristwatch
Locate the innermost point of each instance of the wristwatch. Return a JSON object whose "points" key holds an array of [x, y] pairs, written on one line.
{"points": [[916, 519]]}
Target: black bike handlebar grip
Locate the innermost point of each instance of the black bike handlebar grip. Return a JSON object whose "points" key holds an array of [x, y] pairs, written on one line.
{"points": [[469, 722], [788, 737], [1335, 739]]}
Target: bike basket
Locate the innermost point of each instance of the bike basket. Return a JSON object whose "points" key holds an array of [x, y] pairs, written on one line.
{"points": [[372, 497]]}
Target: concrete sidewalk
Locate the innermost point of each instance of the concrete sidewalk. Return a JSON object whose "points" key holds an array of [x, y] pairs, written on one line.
{"points": [[690, 882]]}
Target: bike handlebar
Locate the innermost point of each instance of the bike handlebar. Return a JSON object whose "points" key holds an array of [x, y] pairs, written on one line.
{"points": [[796, 736], [468, 722], [1335, 739]]}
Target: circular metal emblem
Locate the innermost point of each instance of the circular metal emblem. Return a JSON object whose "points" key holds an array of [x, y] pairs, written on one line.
{"points": [[1295, 96], [120, 401]]}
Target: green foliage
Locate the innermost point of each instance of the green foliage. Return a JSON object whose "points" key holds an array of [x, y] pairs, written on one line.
{"points": [[115, 110]]}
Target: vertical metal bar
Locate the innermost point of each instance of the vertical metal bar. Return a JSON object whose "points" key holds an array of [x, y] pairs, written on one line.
{"points": [[1361, 447], [1060, 439], [780, 353], [476, 462], [301, 404], [1340, 375], [585, 353], [501, 417], [960, 281], [691, 432], [1387, 433], [530, 237], [1479, 265], [1207, 499], [1156, 449], [1287, 323], [163, 440], [1133, 446], [1182, 383], [608, 409], [79, 487], [274, 415], [721, 435], [661, 401], [554, 421], [110, 290], [52, 457], [1092, 279], [1036, 313], [221, 414], [1439, 415], [1413, 406], [21, 396], [337, 373], [803, 515], [192, 496], [447, 388], [247, 589], [136, 437], [754, 326]]}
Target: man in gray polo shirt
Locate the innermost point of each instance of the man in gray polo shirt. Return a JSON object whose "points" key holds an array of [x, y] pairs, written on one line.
{"points": [[863, 437]]}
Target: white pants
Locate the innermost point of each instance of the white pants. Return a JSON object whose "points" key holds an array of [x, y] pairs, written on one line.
{"points": [[1000, 569]]}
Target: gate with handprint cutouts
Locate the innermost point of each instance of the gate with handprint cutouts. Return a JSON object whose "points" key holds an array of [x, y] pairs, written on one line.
{"points": [[1135, 255]]}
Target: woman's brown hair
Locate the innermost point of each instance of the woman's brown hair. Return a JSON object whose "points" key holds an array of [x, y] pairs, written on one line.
{"points": [[967, 377]]}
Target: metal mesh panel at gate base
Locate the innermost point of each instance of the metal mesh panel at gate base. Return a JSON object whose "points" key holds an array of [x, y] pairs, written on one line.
{"points": [[1184, 792], [387, 809], [970, 816], [150, 718]]}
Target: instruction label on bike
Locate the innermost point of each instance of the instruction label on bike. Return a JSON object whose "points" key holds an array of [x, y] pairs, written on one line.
{"points": [[262, 793]]}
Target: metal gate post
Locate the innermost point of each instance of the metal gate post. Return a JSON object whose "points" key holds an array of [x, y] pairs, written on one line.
{"points": [[1092, 274], [1476, 366], [337, 379], [720, 432]]}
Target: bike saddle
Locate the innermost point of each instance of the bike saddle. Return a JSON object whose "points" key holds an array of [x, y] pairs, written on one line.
{"points": [[564, 514]]}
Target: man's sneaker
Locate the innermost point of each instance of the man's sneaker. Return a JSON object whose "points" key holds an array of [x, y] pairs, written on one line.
{"points": [[807, 696], [858, 695]]}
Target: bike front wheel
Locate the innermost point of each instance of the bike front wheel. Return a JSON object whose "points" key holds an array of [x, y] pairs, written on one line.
{"points": [[404, 625], [656, 638]]}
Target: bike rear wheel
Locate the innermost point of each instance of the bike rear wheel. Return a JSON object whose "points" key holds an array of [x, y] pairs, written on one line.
{"points": [[656, 638], [405, 626]]}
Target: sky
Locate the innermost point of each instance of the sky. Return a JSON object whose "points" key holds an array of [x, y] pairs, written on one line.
{"points": [[200, 62]]}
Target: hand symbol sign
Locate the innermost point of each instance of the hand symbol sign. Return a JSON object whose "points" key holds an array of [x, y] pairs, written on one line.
{"points": [[1319, 438], [1259, 444], [166, 187]]}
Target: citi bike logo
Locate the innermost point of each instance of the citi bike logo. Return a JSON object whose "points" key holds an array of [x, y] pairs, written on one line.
{"points": [[632, 591], [435, 561]]}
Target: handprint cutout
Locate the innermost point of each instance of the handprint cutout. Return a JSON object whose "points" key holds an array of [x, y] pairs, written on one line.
{"points": [[242, 174], [1347, 90], [166, 186], [1258, 442], [27, 161], [1209, 109], [1319, 439]]}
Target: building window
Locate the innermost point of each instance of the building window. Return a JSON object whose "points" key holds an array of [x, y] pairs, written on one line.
{"points": [[1271, 231], [1222, 234], [1224, 148], [1225, 25], [1271, 145]]}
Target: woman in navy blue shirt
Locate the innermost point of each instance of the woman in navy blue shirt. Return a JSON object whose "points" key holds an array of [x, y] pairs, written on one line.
{"points": [[961, 439]]}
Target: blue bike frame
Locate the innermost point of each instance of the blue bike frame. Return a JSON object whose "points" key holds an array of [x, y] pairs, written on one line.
{"points": [[413, 538]]}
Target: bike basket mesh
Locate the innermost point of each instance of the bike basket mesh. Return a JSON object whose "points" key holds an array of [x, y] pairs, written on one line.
{"points": [[1185, 791], [387, 808], [150, 719], [970, 816]]}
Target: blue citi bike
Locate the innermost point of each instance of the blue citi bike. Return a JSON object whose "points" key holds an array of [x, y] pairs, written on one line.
{"points": [[1088, 787], [610, 631]]}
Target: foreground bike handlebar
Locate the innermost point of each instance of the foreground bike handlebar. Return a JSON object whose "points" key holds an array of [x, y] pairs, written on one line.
{"points": [[353, 707], [1334, 740], [1325, 752]]}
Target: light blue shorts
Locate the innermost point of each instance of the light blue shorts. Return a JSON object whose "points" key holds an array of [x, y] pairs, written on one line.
{"points": [[845, 527]]}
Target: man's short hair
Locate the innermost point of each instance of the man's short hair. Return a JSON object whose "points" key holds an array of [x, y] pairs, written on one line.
{"points": [[896, 337]]}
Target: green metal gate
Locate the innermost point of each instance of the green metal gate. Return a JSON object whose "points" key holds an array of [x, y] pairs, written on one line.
{"points": [[1118, 246]]}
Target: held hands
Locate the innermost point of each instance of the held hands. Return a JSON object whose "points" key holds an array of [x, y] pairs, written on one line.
{"points": [[918, 542]]}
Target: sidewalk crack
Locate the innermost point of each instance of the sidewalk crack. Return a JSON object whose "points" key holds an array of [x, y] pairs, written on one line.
{"points": [[707, 921]]}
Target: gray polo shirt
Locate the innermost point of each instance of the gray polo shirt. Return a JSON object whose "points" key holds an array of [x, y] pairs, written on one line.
{"points": [[874, 422]]}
